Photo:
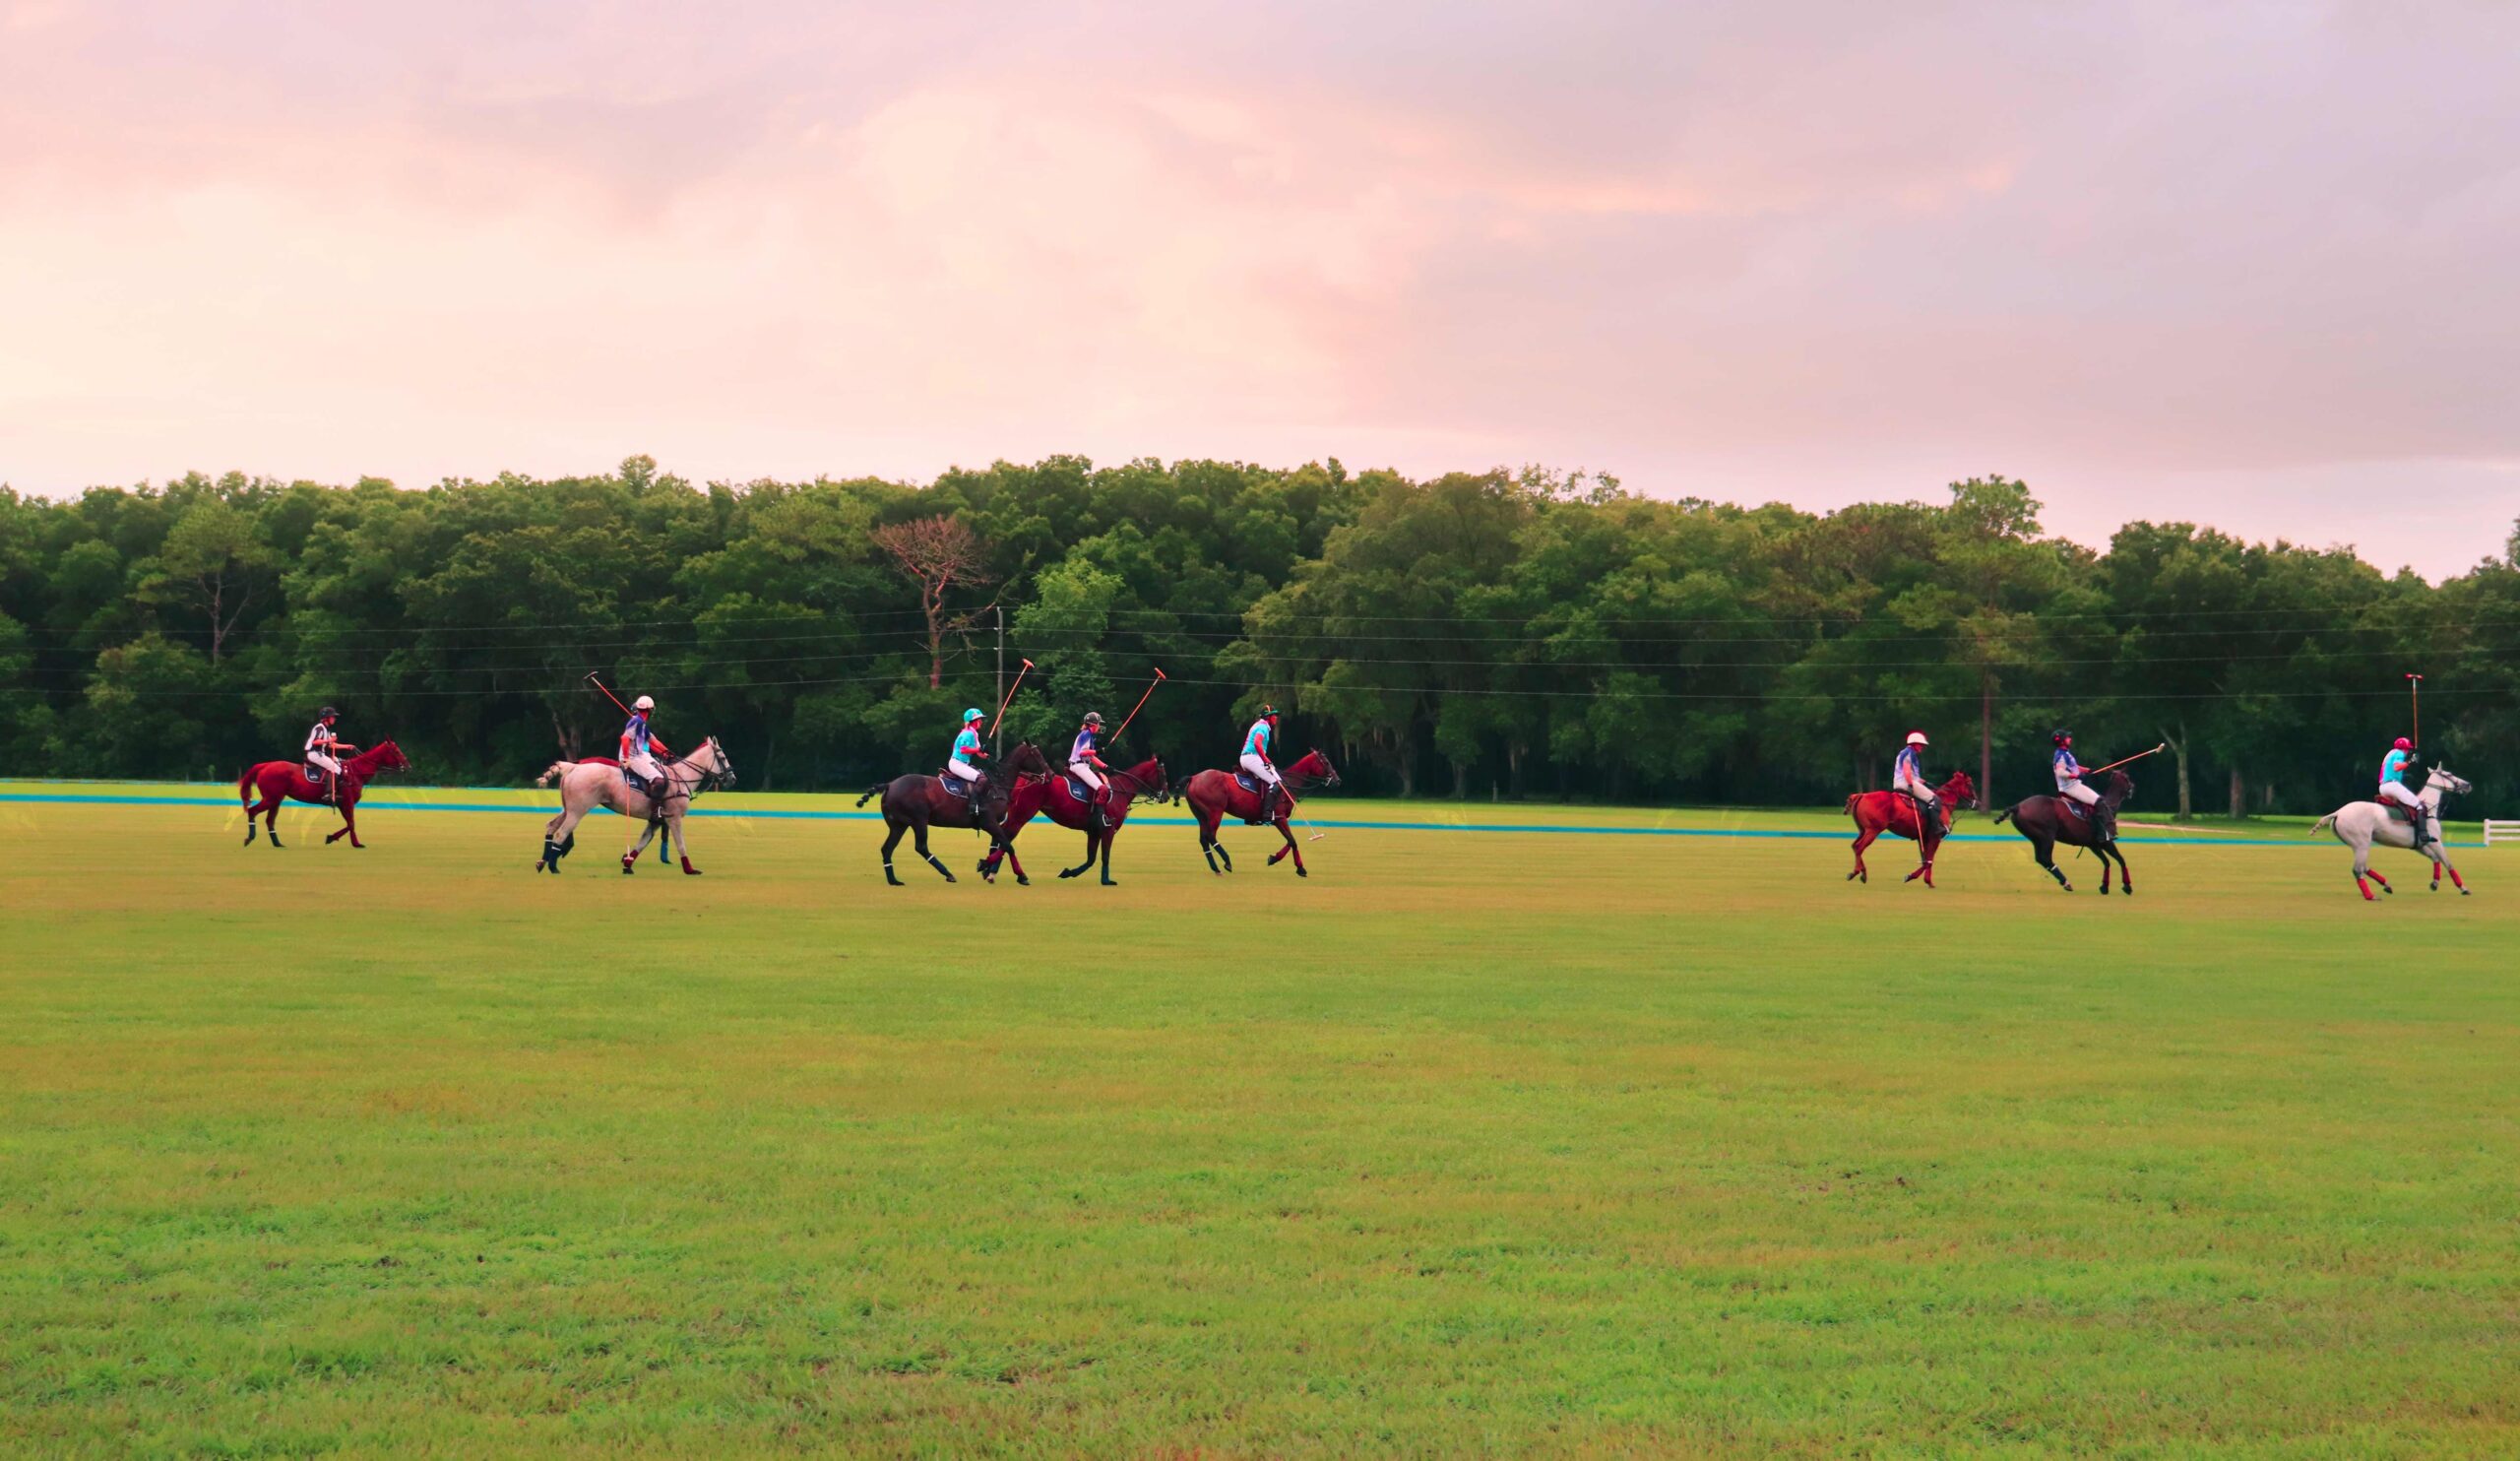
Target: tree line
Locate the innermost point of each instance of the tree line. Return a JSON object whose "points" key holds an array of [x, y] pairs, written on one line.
{"points": [[1478, 635]]}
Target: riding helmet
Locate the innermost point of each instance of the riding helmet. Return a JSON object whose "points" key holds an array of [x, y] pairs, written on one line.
{"points": [[1918, 738], [1094, 718], [1268, 712], [2403, 745], [644, 702], [328, 714], [2061, 737], [972, 714]]}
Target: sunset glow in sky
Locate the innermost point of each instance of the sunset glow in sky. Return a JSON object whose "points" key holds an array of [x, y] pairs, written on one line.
{"points": [[2251, 265]]}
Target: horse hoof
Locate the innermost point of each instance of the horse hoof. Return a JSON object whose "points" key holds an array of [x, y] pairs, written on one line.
{"points": [[690, 872], [1299, 872], [1071, 872]]}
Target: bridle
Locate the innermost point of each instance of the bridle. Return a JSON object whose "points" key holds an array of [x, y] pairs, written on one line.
{"points": [[710, 778], [1159, 794]]}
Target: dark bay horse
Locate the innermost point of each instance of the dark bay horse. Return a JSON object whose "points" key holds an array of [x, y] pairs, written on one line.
{"points": [[277, 781], [913, 804], [2049, 820], [1052, 796], [1894, 812], [1215, 796]]}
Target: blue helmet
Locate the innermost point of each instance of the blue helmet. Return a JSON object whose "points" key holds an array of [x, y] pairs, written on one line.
{"points": [[974, 714]]}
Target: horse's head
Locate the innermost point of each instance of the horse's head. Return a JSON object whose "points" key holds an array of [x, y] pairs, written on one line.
{"points": [[2445, 779], [718, 769], [1151, 779], [1027, 760], [385, 755], [1960, 791], [1316, 766], [2120, 787]]}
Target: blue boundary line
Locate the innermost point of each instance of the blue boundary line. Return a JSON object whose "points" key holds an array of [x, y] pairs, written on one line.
{"points": [[98, 798]]}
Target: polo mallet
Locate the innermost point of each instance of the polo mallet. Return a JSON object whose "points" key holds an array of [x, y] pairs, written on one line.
{"points": [[2415, 702], [2122, 760], [1141, 705], [1010, 696], [607, 693]]}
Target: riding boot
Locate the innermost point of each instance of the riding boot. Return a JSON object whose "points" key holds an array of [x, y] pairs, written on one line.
{"points": [[1269, 805], [1103, 809]]}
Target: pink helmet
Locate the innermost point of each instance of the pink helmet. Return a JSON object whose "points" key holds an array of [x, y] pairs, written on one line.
{"points": [[2404, 744]]}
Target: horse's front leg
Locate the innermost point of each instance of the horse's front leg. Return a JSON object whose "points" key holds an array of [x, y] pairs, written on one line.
{"points": [[630, 859], [1109, 835], [682, 853], [1864, 839]]}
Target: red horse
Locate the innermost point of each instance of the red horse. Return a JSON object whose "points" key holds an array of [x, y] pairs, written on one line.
{"points": [[1894, 812], [276, 781], [1054, 796], [1216, 794]]}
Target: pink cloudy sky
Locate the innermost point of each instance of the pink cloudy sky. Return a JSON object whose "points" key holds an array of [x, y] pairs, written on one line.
{"points": [[2254, 265]]}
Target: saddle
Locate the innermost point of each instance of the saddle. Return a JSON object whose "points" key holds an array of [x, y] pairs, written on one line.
{"points": [[1077, 789], [2397, 811], [1250, 782], [955, 786]]}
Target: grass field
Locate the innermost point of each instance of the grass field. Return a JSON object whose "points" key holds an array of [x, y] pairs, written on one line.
{"points": [[1476, 1142]]}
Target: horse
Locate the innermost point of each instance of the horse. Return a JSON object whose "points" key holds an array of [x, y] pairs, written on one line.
{"points": [[1894, 812], [914, 803], [276, 781], [598, 782], [2358, 824], [1054, 796], [2049, 820], [1214, 794]]}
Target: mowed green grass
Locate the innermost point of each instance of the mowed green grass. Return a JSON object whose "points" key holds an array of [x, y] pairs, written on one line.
{"points": [[1471, 1143]]}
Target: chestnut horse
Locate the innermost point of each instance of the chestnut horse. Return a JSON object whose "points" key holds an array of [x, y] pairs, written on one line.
{"points": [[913, 804], [277, 781], [2049, 820], [1216, 794], [1894, 812], [1052, 796]]}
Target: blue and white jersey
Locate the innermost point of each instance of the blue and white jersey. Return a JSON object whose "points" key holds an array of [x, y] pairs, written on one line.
{"points": [[321, 738], [1088, 742], [634, 735], [1908, 769], [2393, 766], [2068, 770], [966, 746], [1255, 742]]}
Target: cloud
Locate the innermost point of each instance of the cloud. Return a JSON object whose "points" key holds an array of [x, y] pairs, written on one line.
{"points": [[1799, 251]]}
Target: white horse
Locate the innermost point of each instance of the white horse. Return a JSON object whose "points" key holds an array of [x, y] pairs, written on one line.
{"points": [[588, 784], [2358, 824]]}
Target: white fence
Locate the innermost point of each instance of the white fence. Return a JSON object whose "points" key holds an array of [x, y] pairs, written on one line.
{"points": [[2507, 831]]}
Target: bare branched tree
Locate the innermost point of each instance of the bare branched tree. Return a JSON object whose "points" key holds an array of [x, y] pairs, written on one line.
{"points": [[937, 553]]}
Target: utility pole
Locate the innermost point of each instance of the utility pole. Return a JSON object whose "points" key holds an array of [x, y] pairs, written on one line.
{"points": [[997, 741], [1986, 738]]}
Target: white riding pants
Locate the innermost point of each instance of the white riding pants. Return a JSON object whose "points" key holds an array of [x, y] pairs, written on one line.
{"points": [[2403, 795], [2079, 792], [1084, 773], [966, 771], [1260, 769], [646, 765], [319, 758]]}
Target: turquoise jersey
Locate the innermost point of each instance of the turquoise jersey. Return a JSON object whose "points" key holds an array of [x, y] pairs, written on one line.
{"points": [[1256, 744], [2393, 766], [966, 745]]}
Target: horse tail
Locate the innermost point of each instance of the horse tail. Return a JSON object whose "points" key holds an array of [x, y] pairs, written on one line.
{"points": [[2006, 813], [1851, 799], [2323, 824], [245, 785], [872, 793], [554, 768]]}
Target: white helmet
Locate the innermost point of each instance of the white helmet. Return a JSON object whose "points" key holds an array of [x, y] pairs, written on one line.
{"points": [[644, 702], [1917, 738]]}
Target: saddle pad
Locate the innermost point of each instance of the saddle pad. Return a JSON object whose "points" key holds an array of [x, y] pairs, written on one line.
{"points": [[1078, 790], [1247, 781], [955, 786]]}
